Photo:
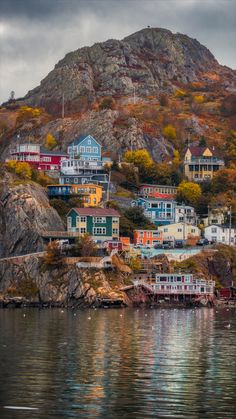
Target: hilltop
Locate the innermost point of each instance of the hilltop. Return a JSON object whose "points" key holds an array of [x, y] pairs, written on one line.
{"points": [[126, 92]]}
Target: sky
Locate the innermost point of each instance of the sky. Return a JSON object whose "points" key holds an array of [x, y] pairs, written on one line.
{"points": [[36, 34]]}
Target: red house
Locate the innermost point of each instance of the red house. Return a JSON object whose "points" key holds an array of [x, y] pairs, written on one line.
{"points": [[38, 157], [157, 191]]}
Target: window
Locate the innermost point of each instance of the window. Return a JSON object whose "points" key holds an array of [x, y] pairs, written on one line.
{"points": [[99, 230], [88, 149], [193, 230], [69, 222], [214, 230], [76, 180], [101, 220], [77, 221], [179, 230], [82, 230], [83, 219], [165, 230], [82, 149], [48, 159], [89, 142], [115, 220], [115, 231], [95, 149]]}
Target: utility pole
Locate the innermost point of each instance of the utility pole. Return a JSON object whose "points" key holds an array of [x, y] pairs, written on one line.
{"points": [[63, 106], [230, 223], [108, 186]]}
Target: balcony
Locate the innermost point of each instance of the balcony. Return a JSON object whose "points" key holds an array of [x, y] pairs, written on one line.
{"points": [[205, 160]]}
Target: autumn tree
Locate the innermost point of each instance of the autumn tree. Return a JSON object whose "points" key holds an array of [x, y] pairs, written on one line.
{"points": [[169, 132], [22, 169], [53, 256], [50, 141], [85, 246], [189, 192], [141, 159]]}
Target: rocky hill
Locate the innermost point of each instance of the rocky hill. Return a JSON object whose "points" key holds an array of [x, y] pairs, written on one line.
{"points": [[148, 62], [153, 78]]}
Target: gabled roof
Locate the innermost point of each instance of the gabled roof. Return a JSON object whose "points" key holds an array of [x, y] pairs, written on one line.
{"points": [[197, 151], [81, 138], [96, 212], [141, 198]]}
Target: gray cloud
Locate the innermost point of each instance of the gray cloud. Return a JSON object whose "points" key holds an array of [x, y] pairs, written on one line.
{"points": [[35, 34]]}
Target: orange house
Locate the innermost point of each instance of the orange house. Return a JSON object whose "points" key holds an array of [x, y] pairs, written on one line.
{"points": [[147, 237]]}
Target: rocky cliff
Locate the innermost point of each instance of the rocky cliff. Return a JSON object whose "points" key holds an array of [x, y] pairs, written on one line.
{"points": [[24, 213], [27, 280], [144, 63]]}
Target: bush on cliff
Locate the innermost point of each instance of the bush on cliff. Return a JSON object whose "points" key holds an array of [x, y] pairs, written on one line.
{"points": [[53, 257]]}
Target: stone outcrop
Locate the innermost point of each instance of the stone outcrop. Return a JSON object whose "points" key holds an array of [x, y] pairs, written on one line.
{"points": [[24, 213], [27, 280]]}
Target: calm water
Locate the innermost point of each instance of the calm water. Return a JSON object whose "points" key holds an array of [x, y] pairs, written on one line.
{"points": [[118, 363]]}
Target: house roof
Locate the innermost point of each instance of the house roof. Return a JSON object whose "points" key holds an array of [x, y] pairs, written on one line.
{"points": [[154, 185], [221, 226], [81, 138], [170, 199], [197, 151], [97, 212], [52, 152]]}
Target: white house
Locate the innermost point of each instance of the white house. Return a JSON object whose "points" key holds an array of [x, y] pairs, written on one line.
{"points": [[220, 234], [185, 214]]}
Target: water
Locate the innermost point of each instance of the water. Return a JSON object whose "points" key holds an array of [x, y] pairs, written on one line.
{"points": [[129, 363]]}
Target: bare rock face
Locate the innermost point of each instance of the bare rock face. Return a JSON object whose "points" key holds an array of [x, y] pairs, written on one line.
{"points": [[26, 280], [147, 62], [24, 213]]}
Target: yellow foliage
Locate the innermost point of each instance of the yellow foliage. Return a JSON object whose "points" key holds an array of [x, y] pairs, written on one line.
{"points": [[22, 169], [135, 264], [26, 113], [189, 192], [180, 93], [169, 132], [176, 158], [138, 158], [50, 142], [198, 99]]}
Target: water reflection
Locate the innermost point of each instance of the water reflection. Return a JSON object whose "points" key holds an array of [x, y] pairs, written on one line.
{"points": [[120, 364]]}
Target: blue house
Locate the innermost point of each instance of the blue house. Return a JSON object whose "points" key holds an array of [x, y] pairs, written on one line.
{"points": [[160, 211], [85, 147]]}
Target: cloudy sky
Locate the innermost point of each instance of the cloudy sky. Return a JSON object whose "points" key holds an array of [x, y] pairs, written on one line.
{"points": [[35, 34]]}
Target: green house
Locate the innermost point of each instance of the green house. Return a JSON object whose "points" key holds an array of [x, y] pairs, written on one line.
{"points": [[101, 223]]}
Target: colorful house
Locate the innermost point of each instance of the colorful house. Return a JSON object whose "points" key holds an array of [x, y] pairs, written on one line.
{"points": [[90, 194], [147, 237], [85, 147], [159, 211], [179, 285], [157, 191], [95, 178], [101, 223], [38, 157], [180, 231], [200, 163]]}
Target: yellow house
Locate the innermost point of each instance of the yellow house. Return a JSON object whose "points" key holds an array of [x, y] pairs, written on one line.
{"points": [[90, 193], [200, 163], [180, 231]]}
